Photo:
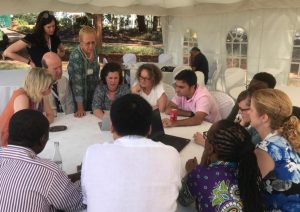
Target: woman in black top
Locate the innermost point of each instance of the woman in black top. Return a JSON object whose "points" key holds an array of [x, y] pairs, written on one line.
{"points": [[42, 40]]}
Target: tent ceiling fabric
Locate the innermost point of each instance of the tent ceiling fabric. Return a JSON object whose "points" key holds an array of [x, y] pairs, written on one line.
{"points": [[144, 7]]}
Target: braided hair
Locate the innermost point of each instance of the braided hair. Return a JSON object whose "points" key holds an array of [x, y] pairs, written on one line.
{"points": [[232, 143]]}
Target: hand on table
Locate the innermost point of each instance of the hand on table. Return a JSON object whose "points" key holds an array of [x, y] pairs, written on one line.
{"points": [[191, 164], [198, 138], [167, 122], [79, 113]]}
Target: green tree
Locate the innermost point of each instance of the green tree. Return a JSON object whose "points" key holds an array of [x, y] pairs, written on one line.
{"points": [[30, 18]]}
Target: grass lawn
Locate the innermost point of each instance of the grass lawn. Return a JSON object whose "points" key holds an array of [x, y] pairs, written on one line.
{"points": [[121, 48]]}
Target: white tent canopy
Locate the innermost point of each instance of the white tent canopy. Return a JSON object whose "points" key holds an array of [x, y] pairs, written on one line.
{"points": [[145, 7], [270, 25]]}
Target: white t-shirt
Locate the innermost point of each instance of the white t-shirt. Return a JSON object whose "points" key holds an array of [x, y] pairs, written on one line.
{"points": [[154, 95], [131, 174]]}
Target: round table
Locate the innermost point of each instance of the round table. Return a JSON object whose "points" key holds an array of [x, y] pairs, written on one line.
{"points": [[83, 132]]}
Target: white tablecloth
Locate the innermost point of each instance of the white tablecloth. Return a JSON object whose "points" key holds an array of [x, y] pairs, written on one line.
{"points": [[83, 132], [10, 80]]}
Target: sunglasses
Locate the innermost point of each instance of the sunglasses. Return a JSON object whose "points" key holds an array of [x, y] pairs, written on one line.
{"points": [[47, 14]]}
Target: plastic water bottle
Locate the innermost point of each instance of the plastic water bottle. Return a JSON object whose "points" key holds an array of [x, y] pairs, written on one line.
{"points": [[57, 157]]}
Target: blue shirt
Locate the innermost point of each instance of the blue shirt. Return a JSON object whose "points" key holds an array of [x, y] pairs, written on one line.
{"points": [[282, 184]]}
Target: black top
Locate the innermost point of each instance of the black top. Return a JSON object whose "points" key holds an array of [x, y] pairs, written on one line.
{"points": [[36, 50], [200, 63]]}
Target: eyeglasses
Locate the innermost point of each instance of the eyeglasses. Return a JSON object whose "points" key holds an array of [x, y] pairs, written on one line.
{"points": [[144, 78], [47, 14], [89, 43], [205, 135], [244, 109]]}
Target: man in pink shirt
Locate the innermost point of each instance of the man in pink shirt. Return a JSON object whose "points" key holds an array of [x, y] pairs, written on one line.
{"points": [[192, 101]]}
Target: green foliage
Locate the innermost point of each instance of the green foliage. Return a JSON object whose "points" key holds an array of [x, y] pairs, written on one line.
{"points": [[65, 23], [155, 36], [30, 18], [138, 50], [120, 49], [21, 22], [24, 29]]}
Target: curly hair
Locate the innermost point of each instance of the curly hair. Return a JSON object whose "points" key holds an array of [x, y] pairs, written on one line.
{"points": [[231, 142], [44, 18], [290, 130], [154, 72], [111, 67], [278, 106]]}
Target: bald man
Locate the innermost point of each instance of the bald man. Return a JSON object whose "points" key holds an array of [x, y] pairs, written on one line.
{"points": [[61, 97]]}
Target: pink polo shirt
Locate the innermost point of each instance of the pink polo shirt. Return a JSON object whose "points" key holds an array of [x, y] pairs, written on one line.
{"points": [[202, 101]]}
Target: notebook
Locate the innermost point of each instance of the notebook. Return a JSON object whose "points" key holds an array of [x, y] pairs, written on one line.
{"points": [[158, 133]]}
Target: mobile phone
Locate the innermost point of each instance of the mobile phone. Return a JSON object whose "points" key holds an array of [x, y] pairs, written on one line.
{"points": [[57, 128]]}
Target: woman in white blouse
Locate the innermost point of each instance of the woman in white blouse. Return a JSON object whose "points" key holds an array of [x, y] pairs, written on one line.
{"points": [[150, 86]]}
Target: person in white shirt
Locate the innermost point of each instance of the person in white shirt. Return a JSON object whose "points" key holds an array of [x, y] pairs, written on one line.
{"points": [[61, 96], [150, 86], [132, 173]]}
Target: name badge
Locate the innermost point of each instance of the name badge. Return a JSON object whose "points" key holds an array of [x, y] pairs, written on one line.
{"points": [[89, 71]]}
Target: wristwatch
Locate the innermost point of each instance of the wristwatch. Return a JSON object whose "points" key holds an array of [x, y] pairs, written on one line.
{"points": [[192, 114]]}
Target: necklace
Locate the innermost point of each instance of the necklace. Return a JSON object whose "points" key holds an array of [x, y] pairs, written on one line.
{"points": [[49, 43]]}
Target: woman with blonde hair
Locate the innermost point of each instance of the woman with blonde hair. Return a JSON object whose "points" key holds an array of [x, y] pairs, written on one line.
{"points": [[33, 95], [278, 152], [83, 69]]}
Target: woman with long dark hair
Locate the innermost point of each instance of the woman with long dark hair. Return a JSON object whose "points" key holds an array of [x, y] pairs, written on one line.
{"points": [[43, 39], [228, 177]]}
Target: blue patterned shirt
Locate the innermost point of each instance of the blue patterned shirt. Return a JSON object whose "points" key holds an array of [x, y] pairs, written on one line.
{"points": [[282, 185], [83, 77], [101, 100]]}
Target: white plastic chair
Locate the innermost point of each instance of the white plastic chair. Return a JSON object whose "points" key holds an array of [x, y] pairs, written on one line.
{"points": [[165, 59], [212, 82], [224, 101], [178, 69], [168, 78], [200, 78], [234, 77], [129, 58], [169, 90]]}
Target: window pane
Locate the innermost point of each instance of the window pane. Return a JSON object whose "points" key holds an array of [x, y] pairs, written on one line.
{"points": [[186, 60], [245, 37], [294, 68], [228, 39], [243, 64], [236, 49], [237, 46], [229, 48], [244, 50], [296, 53]]}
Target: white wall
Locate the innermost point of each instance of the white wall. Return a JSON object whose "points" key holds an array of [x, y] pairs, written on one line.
{"points": [[270, 37]]}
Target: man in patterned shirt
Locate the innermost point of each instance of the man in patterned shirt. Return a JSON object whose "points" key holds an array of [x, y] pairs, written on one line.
{"points": [[83, 69], [29, 183]]}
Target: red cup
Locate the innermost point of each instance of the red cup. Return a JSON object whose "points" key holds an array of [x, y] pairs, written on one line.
{"points": [[173, 115]]}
